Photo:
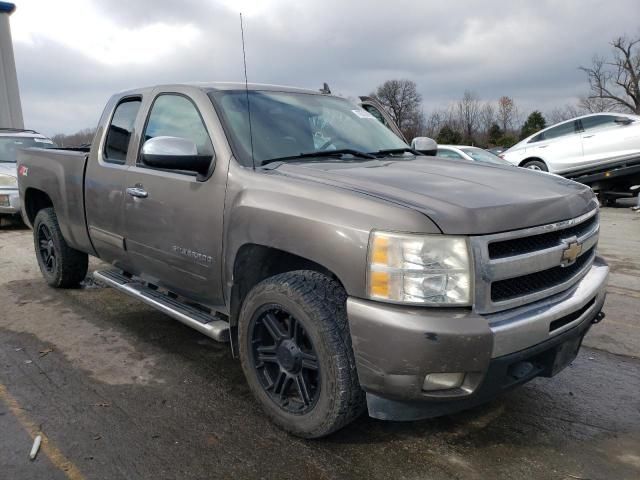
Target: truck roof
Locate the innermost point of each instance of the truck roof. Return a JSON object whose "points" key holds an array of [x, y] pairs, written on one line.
{"points": [[219, 86]]}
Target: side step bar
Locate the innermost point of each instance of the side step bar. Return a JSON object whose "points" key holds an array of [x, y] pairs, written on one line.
{"points": [[205, 323]]}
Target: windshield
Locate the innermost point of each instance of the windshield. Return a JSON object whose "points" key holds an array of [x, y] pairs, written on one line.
{"points": [[287, 124], [9, 146], [480, 155]]}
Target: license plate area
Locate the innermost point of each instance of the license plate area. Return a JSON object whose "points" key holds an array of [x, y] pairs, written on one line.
{"points": [[565, 353]]}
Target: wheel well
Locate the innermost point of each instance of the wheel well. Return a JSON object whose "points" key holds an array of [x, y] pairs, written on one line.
{"points": [[34, 201], [530, 159], [254, 263]]}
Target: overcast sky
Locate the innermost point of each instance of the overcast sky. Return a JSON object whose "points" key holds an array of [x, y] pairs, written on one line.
{"points": [[71, 55]]}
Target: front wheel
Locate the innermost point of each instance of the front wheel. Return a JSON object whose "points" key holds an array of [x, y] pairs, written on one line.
{"points": [[295, 350], [61, 265], [535, 165]]}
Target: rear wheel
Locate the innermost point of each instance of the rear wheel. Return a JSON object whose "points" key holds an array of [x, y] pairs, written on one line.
{"points": [[295, 350], [61, 265], [535, 165]]}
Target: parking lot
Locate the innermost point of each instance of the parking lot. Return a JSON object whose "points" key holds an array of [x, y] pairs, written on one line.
{"points": [[119, 390]]}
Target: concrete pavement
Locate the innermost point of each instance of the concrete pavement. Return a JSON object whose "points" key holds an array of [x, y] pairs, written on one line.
{"points": [[122, 391]]}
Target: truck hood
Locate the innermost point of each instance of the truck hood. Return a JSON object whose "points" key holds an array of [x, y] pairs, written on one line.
{"points": [[8, 169], [461, 197]]}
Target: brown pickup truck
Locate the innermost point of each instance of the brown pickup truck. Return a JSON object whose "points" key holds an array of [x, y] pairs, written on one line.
{"points": [[347, 270]]}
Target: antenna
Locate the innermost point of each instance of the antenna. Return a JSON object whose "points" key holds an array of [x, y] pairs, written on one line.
{"points": [[246, 89]]}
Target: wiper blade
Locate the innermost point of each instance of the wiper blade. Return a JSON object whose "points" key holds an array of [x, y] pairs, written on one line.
{"points": [[324, 153], [391, 151]]}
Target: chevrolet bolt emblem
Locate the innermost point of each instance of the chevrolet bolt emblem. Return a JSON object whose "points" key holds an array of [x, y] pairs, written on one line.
{"points": [[571, 252]]}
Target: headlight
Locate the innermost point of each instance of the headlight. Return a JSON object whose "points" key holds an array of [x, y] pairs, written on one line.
{"points": [[419, 269], [8, 181]]}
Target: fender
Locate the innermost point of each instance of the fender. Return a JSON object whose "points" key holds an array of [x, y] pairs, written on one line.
{"points": [[328, 225]]}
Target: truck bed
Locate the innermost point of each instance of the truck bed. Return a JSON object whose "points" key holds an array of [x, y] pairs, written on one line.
{"points": [[60, 175]]}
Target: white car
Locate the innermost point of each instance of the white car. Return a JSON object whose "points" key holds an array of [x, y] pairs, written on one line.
{"points": [[583, 142], [11, 140], [473, 154]]}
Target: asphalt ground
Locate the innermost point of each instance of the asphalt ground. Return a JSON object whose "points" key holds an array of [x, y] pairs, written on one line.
{"points": [[121, 391]]}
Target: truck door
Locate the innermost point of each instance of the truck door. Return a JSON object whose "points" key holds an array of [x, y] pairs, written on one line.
{"points": [[105, 177], [173, 218]]}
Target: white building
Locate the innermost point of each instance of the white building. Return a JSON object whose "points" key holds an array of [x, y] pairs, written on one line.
{"points": [[10, 108]]}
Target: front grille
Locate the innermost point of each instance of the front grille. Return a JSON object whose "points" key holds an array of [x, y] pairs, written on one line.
{"points": [[519, 246], [517, 267], [535, 282]]}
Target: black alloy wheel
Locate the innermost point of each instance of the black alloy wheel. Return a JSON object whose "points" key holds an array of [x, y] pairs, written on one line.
{"points": [[61, 265], [46, 248], [285, 360]]}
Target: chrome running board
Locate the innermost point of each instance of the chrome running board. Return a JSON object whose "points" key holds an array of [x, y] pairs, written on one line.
{"points": [[210, 325]]}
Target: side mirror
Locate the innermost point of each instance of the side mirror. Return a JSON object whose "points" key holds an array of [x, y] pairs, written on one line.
{"points": [[174, 153], [623, 120], [425, 145]]}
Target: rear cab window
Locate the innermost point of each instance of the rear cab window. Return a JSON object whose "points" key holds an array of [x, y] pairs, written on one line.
{"points": [[120, 130]]}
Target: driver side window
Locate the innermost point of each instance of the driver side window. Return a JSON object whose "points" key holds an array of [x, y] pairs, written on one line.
{"points": [[176, 116]]}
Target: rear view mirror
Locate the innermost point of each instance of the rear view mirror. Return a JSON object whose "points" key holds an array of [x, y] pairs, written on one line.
{"points": [[425, 145], [175, 153]]}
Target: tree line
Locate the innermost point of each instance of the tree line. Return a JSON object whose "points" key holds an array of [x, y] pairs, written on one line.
{"points": [[614, 86]]}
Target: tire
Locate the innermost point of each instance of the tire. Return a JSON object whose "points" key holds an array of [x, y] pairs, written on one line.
{"points": [[535, 165], [61, 265], [317, 305]]}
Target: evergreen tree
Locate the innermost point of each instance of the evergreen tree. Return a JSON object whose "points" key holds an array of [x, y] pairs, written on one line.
{"points": [[534, 123], [449, 136]]}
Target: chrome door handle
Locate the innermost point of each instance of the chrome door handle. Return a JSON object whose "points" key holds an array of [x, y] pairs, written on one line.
{"points": [[543, 146], [137, 192], [588, 136]]}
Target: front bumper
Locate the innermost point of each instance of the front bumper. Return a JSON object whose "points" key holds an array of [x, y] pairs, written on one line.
{"points": [[396, 347], [9, 201]]}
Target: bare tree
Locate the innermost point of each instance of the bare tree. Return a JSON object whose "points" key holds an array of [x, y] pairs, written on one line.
{"points": [[507, 113], [597, 105], [487, 117], [403, 102], [560, 114], [468, 110], [617, 79], [434, 122], [82, 137]]}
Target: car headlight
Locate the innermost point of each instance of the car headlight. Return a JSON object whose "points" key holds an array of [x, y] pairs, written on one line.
{"points": [[419, 269], [8, 181]]}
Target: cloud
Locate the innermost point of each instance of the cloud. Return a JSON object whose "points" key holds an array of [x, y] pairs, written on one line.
{"points": [[71, 59]]}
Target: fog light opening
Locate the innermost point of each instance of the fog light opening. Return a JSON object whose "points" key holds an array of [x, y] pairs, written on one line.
{"points": [[442, 381]]}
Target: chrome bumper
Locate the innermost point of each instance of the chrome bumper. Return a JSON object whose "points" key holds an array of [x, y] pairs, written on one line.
{"points": [[12, 204], [522, 327], [396, 347]]}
